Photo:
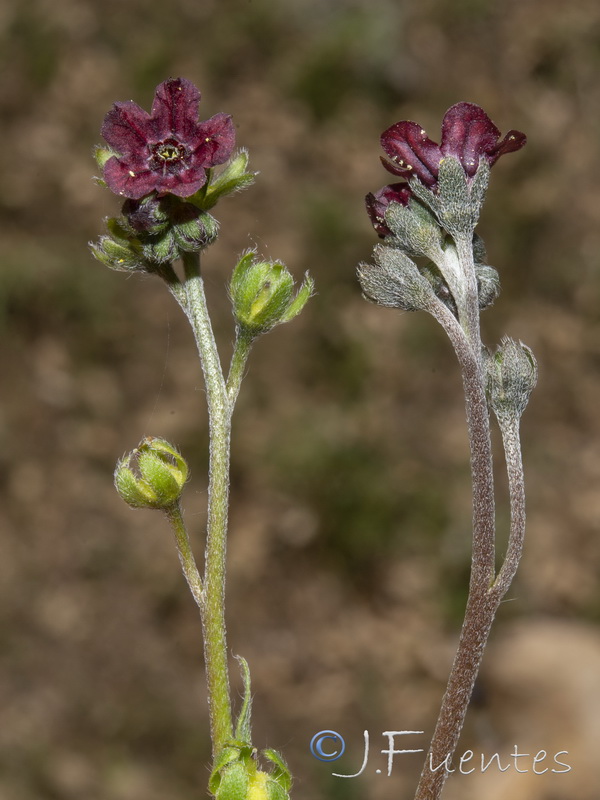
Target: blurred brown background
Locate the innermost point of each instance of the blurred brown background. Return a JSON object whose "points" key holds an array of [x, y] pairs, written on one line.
{"points": [[350, 513]]}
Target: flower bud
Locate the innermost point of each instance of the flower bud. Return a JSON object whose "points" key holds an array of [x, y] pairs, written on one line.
{"points": [[394, 280], [145, 217], [195, 231], [119, 254], [262, 294], [415, 229], [511, 376], [159, 477]]}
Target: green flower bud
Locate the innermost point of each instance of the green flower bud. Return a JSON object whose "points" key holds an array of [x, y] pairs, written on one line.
{"points": [[234, 177], [119, 255], [149, 216], [415, 229], [511, 377], [160, 249], [159, 477], [262, 294], [195, 232], [394, 281]]}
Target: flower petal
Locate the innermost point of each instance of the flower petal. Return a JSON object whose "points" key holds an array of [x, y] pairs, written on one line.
{"points": [[216, 140], [514, 140], [183, 184], [468, 134], [175, 109], [128, 182], [377, 204], [127, 128], [409, 148]]}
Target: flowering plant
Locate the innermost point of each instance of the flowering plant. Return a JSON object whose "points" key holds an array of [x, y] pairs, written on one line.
{"points": [[431, 260], [162, 164]]}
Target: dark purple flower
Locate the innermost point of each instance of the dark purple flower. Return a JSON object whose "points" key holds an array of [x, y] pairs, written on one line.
{"points": [[468, 134], [378, 202], [168, 150]]}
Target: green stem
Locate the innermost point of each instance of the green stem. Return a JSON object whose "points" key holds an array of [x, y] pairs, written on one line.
{"points": [[241, 351], [219, 412], [186, 556]]}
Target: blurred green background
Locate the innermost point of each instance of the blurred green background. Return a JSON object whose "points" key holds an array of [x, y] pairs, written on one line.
{"points": [[350, 514]]}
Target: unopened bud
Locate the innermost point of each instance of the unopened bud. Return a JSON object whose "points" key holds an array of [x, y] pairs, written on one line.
{"points": [[415, 229], [394, 281], [511, 377], [119, 255], [151, 476], [262, 294]]}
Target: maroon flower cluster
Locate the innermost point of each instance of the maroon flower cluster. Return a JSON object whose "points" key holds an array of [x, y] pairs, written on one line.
{"points": [[468, 135], [169, 150]]}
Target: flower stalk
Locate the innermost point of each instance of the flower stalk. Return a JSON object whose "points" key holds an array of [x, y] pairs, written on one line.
{"points": [[433, 217], [163, 164]]}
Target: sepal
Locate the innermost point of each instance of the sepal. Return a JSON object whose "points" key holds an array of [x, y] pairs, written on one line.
{"points": [[234, 177], [236, 775], [458, 200], [101, 156]]}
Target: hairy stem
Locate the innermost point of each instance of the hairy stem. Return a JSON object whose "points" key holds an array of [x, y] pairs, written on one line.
{"points": [[186, 556], [241, 351], [219, 412], [509, 428], [481, 606]]}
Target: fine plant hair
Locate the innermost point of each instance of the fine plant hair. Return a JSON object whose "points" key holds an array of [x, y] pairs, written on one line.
{"points": [[163, 165], [430, 259]]}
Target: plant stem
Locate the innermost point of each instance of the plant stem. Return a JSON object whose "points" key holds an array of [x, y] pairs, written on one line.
{"points": [[481, 605], [219, 412], [509, 428], [186, 556], [241, 351]]}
